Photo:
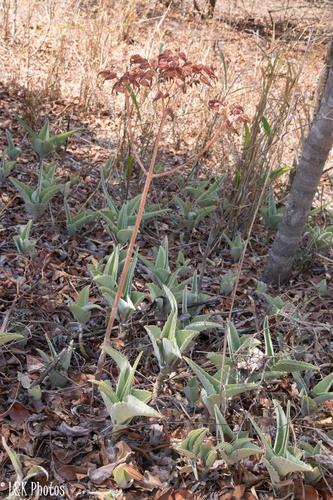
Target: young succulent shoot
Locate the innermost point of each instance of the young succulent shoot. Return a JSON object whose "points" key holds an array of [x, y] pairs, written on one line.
{"points": [[232, 446], [160, 272], [197, 451], [191, 391], [120, 222], [123, 476], [37, 200], [23, 243], [203, 200], [205, 193], [227, 283], [75, 223], [270, 213], [106, 278], [313, 398], [314, 456], [6, 168], [125, 401], [60, 363], [280, 365], [320, 237], [281, 459], [236, 246], [217, 389], [81, 308], [199, 323], [43, 142], [194, 300], [256, 365], [274, 175], [276, 304], [191, 215], [171, 341], [242, 353], [21, 478], [12, 151]]}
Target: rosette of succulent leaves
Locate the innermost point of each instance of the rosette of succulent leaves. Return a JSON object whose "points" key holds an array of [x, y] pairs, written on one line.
{"points": [[125, 401], [37, 198], [106, 278], [9, 157], [120, 221], [176, 335], [162, 277], [202, 199], [243, 367], [281, 458]]}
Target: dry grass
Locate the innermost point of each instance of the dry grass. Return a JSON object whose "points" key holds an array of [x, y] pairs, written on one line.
{"points": [[55, 50]]}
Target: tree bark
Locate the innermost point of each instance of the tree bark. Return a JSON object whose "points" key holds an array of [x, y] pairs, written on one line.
{"points": [[310, 167]]}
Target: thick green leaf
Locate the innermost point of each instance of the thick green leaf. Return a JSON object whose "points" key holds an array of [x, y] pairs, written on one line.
{"points": [[125, 389], [242, 452], [246, 135], [323, 386], [222, 428], [184, 338], [123, 412], [211, 384], [142, 394], [273, 473], [292, 365], [282, 432], [8, 337], [232, 390], [119, 358], [106, 387], [233, 338], [15, 460], [266, 126], [192, 391], [285, 466], [24, 190], [324, 396], [121, 476], [269, 350], [34, 471], [309, 405], [193, 441]]}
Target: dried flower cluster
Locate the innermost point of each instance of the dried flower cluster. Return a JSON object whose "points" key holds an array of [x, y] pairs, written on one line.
{"points": [[168, 67], [231, 116]]}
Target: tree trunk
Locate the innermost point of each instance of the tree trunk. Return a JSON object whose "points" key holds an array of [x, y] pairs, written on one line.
{"points": [[310, 167]]}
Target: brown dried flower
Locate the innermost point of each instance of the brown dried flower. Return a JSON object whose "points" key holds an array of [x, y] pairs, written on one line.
{"points": [[167, 67]]}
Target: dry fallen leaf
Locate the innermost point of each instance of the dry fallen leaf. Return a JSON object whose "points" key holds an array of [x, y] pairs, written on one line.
{"points": [[124, 451], [173, 494], [98, 476], [101, 474], [134, 472], [310, 493], [236, 494], [19, 413], [70, 472]]}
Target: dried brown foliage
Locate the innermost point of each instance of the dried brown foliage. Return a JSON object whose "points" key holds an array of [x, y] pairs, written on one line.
{"points": [[169, 67]]}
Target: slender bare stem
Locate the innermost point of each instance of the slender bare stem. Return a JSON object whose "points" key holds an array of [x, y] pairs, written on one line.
{"points": [[129, 254], [234, 292], [149, 177]]}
